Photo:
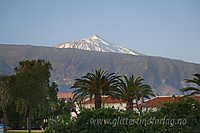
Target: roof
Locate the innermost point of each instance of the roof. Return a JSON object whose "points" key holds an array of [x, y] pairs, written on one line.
{"points": [[65, 95], [104, 100], [159, 101]]}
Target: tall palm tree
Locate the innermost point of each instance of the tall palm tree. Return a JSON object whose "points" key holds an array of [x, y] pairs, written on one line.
{"points": [[97, 83], [194, 90], [132, 89], [128, 90]]}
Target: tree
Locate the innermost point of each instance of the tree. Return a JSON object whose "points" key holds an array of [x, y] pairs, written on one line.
{"points": [[16, 118], [30, 84], [4, 96], [194, 90], [52, 99], [61, 108], [132, 89], [97, 83], [52, 93], [144, 92], [127, 91]]}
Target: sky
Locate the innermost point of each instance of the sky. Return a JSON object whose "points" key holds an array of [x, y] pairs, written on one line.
{"points": [[166, 28]]}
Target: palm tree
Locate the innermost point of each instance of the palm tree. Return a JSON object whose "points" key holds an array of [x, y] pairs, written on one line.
{"points": [[128, 90], [144, 93], [194, 90], [132, 89], [97, 83]]}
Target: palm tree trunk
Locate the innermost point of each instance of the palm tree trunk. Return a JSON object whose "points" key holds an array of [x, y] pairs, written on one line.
{"points": [[142, 101], [129, 105], [97, 101], [147, 106], [138, 106]]}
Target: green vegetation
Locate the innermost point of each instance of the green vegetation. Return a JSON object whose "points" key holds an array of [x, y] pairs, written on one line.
{"points": [[132, 89], [195, 91], [181, 116], [97, 84], [28, 93], [4, 96], [97, 120], [30, 84]]}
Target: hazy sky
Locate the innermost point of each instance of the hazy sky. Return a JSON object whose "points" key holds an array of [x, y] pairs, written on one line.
{"points": [[167, 28]]}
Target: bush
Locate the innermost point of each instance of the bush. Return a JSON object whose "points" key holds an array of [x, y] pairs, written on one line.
{"points": [[187, 109], [182, 116], [101, 120], [59, 125]]}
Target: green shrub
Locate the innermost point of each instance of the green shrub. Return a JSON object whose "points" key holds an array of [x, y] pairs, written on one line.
{"points": [[188, 110], [101, 120], [182, 116], [59, 124]]}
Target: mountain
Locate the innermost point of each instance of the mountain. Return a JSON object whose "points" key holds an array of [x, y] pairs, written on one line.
{"points": [[96, 43], [165, 75]]}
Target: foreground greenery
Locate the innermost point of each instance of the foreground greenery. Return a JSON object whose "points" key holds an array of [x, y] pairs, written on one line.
{"points": [[30, 84], [96, 83], [24, 95], [27, 94], [182, 116], [131, 89], [99, 83]]}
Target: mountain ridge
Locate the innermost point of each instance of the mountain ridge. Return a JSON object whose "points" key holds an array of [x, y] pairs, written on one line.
{"points": [[166, 76]]}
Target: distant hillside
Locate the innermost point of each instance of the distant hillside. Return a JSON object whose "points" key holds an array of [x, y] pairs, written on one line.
{"points": [[166, 76]]}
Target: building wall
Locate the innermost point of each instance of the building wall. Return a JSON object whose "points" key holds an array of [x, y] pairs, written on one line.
{"points": [[108, 105]]}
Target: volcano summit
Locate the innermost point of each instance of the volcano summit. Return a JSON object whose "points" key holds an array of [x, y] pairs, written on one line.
{"points": [[95, 43]]}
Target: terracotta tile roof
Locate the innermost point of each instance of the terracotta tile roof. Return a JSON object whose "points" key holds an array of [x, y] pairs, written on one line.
{"points": [[159, 101], [65, 95], [104, 100]]}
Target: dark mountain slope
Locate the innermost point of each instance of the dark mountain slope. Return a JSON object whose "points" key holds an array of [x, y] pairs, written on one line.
{"points": [[165, 75]]}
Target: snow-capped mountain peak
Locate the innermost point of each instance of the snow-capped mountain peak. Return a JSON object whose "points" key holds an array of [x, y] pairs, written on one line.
{"points": [[95, 43], [95, 37]]}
